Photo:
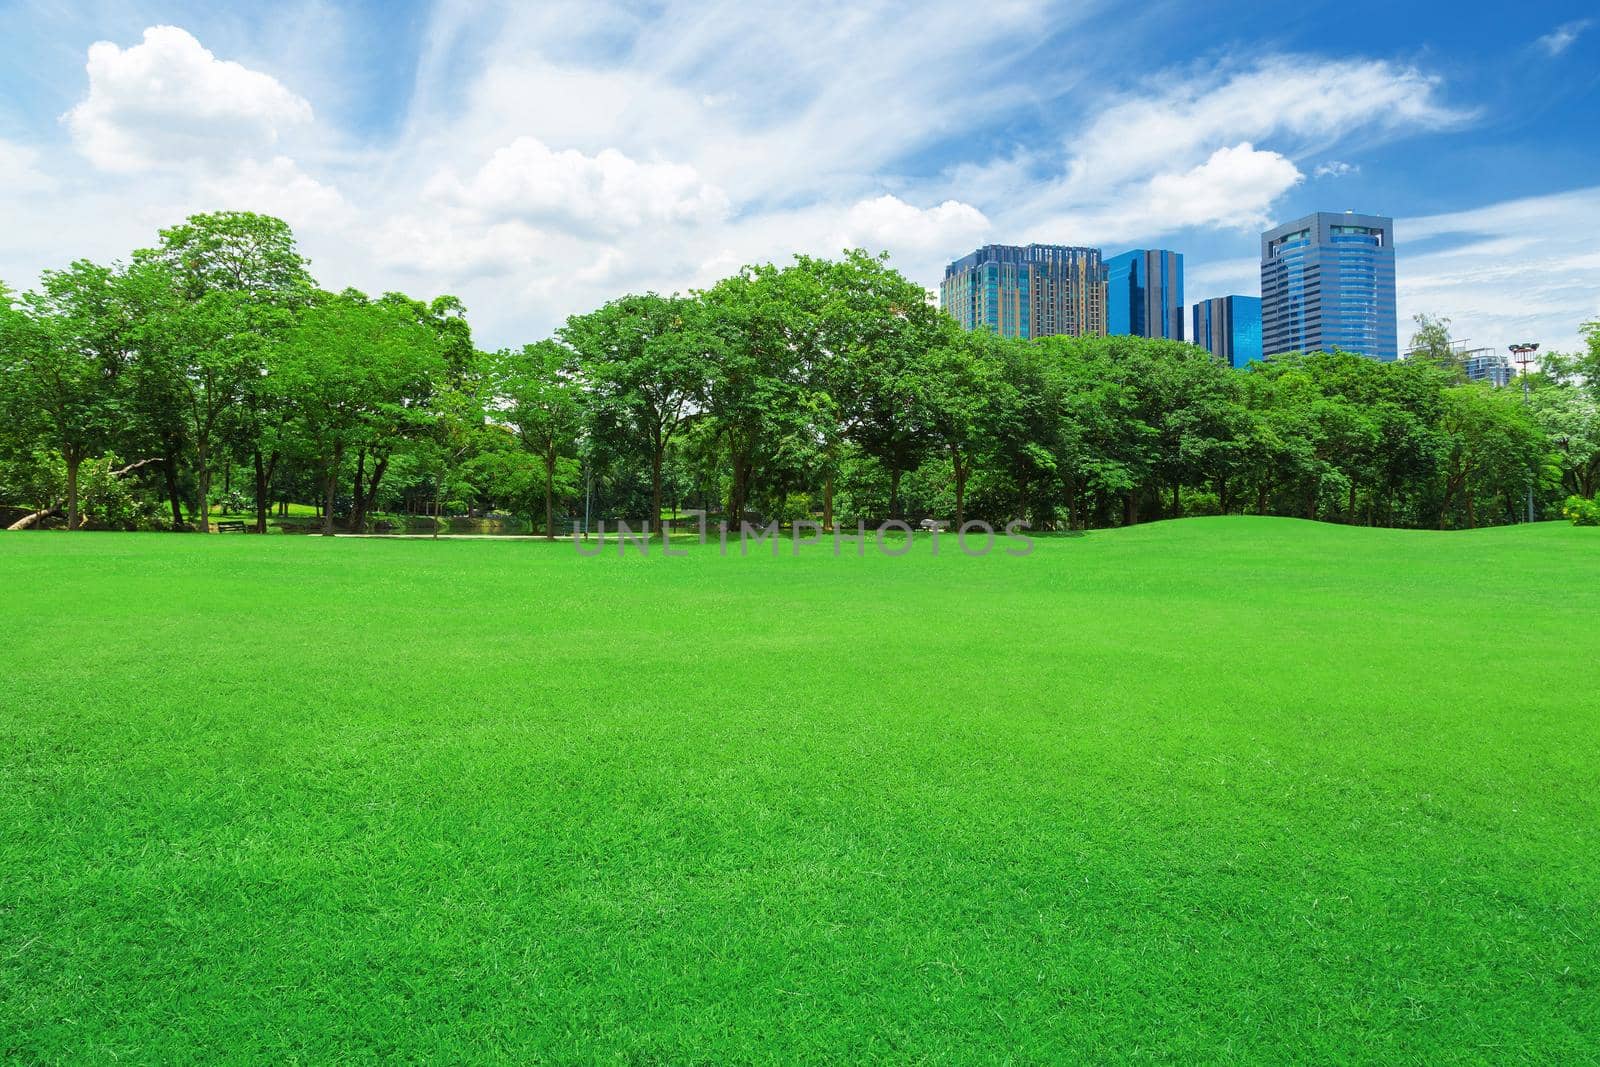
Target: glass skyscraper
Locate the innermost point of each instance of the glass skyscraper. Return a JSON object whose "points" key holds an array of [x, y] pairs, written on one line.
{"points": [[1027, 291], [1327, 282], [1229, 327], [1144, 294]]}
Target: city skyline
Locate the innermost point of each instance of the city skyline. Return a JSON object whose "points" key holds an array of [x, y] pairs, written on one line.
{"points": [[1327, 283], [538, 160]]}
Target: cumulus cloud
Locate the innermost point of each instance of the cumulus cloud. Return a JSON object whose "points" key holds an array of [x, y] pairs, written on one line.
{"points": [[889, 223], [1232, 188], [566, 189], [1562, 37], [1184, 152], [169, 101]]}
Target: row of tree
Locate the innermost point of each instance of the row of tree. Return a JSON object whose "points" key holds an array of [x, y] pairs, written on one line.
{"points": [[212, 371]]}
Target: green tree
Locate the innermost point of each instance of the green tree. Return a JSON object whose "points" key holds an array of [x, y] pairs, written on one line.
{"points": [[1566, 405], [1491, 443], [238, 281], [543, 401], [1432, 344], [879, 326], [59, 362], [955, 386], [418, 417], [764, 336], [643, 358], [345, 366]]}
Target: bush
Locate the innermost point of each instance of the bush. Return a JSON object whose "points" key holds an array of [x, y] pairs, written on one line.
{"points": [[1581, 512]]}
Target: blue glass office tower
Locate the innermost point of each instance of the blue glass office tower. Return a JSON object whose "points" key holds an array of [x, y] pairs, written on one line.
{"points": [[1144, 294], [1229, 327], [1027, 291], [1327, 282]]}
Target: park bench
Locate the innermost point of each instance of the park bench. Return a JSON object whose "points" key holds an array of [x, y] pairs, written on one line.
{"points": [[230, 527]]}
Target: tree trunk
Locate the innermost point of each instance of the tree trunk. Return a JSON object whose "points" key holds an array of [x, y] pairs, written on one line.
{"points": [[202, 474], [171, 466], [894, 493], [73, 462], [331, 483], [739, 487], [263, 489], [961, 486], [1177, 499], [827, 502], [358, 511], [1130, 508], [1350, 504], [550, 492], [59, 506], [370, 503], [655, 491]]}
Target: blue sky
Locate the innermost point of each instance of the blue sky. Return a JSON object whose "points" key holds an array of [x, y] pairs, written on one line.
{"points": [[538, 159]]}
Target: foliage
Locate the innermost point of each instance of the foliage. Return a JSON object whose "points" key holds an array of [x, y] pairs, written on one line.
{"points": [[1581, 511], [818, 388]]}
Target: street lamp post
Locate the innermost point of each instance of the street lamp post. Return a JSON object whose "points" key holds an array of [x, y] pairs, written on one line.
{"points": [[1524, 356]]}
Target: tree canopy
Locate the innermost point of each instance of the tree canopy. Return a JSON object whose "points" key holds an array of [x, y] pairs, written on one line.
{"points": [[813, 390]]}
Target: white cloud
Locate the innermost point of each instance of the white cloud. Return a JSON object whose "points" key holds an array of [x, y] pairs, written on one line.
{"points": [[19, 170], [275, 187], [447, 248], [607, 192], [552, 156], [1235, 187], [1519, 270], [1301, 100], [1562, 37], [1184, 154], [889, 223], [1221, 277], [170, 102]]}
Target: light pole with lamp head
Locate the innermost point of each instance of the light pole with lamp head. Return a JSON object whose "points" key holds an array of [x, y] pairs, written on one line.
{"points": [[1524, 356]]}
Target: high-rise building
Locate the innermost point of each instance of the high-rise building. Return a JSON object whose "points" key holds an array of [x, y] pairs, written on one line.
{"points": [[1027, 291], [1144, 294], [1229, 327], [1327, 282], [1487, 365]]}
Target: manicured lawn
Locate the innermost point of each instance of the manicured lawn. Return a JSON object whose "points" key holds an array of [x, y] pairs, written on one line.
{"points": [[1237, 788]]}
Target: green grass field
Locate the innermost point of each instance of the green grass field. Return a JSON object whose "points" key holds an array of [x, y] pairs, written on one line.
{"points": [[1228, 788]]}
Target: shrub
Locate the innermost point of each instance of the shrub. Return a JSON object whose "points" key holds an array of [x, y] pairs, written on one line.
{"points": [[1581, 512]]}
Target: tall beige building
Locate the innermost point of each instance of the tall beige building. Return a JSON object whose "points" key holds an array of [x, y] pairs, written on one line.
{"points": [[1028, 290]]}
